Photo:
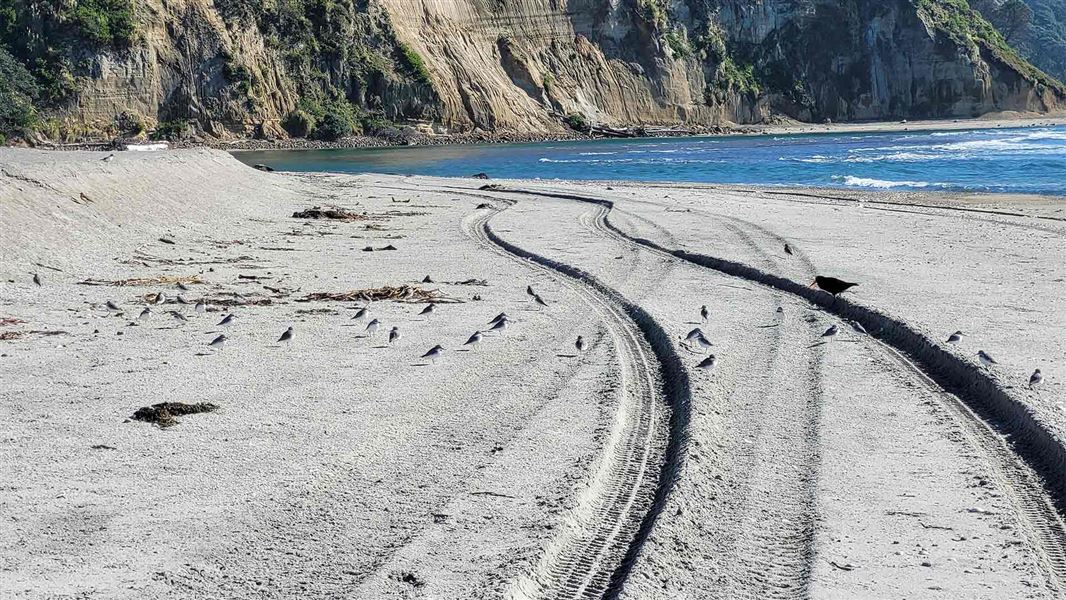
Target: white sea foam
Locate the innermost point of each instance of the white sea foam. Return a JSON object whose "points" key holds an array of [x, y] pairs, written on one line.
{"points": [[879, 183]]}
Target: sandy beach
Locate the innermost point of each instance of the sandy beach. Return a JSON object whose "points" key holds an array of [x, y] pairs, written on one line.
{"points": [[881, 462]]}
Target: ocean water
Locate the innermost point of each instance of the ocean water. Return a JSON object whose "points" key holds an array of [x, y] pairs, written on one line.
{"points": [[1019, 160]]}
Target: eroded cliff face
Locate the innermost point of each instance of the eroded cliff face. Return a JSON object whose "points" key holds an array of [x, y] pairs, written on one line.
{"points": [[521, 63], [240, 68]]}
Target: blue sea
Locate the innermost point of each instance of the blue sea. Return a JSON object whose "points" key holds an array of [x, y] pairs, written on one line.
{"points": [[1019, 160]]}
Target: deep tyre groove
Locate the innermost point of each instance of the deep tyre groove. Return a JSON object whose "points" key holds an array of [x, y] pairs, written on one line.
{"points": [[595, 561], [1001, 424]]}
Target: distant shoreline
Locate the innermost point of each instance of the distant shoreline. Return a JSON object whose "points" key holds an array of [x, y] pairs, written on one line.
{"points": [[401, 140], [794, 128]]}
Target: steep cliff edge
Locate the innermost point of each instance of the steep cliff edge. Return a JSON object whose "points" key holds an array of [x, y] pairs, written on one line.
{"points": [[238, 68]]}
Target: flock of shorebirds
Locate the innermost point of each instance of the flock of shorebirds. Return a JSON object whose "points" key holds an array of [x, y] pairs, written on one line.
{"points": [[695, 338], [836, 286], [497, 325]]}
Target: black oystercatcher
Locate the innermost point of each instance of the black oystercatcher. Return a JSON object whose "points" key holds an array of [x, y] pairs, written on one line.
{"points": [[832, 284]]}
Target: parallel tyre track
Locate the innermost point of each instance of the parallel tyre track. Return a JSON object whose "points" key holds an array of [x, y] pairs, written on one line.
{"points": [[593, 553], [774, 537], [1025, 458]]}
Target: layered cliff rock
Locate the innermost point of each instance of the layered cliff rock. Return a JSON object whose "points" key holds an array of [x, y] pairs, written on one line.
{"points": [[278, 67]]}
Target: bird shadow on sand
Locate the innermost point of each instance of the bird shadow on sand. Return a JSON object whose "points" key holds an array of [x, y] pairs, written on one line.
{"points": [[739, 287], [203, 354], [767, 326], [816, 344], [566, 356]]}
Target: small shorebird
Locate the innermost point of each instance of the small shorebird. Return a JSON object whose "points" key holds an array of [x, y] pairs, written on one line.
{"points": [[780, 310], [108, 158], [201, 306], [182, 286], [429, 309], [708, 363], [178, 316], [986, 358], [955, 338], [499, 317], [37, 279], [218, 342], [434, 353], [1036, 379], [788, 250], [696, 336], [226, 320], [361, 313], [372, 326], [160, 298], [474, 340], [145, 314], [831, 284], [286, 337], [538, 300], [500, 325], [529, 291], [857, 326], [180, 299], [580, 344], [427, 279], [832, 331], [394, 334], [112, 307], [704, 313]]}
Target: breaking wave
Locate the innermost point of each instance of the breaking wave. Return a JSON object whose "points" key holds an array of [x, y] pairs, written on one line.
{"points": [[882, 184]]}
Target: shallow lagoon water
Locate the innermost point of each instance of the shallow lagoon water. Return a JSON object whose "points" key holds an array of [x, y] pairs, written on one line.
{"points": [[1012, 160]]}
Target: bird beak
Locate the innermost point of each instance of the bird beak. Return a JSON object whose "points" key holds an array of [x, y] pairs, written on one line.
{"points": [[813, 283]]}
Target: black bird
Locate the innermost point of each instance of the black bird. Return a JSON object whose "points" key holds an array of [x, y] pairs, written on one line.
{"points": [[788, 250], [831, 284], [286, 336], [529, 291], [37, 279]]}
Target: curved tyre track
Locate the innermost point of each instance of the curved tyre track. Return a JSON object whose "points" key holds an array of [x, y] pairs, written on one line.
{"points": [[1024, 457], [773, 536], [594, 551]]}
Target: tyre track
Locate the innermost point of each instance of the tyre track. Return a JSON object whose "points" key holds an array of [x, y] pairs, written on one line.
{"points": [[773, 538], [1024, 457], [593, 554]]}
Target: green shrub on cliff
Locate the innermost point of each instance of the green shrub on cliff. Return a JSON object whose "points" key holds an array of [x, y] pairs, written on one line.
{"points": [[171, 130], [653, 12], [678, 43], [415, 63], [966, 27], [18, 93], [299, 123], [47, 38], [577, 122], [339, 120], [105, 22]]}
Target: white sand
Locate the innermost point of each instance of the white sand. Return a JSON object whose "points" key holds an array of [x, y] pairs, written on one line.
{"points": [[339, 468]]}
